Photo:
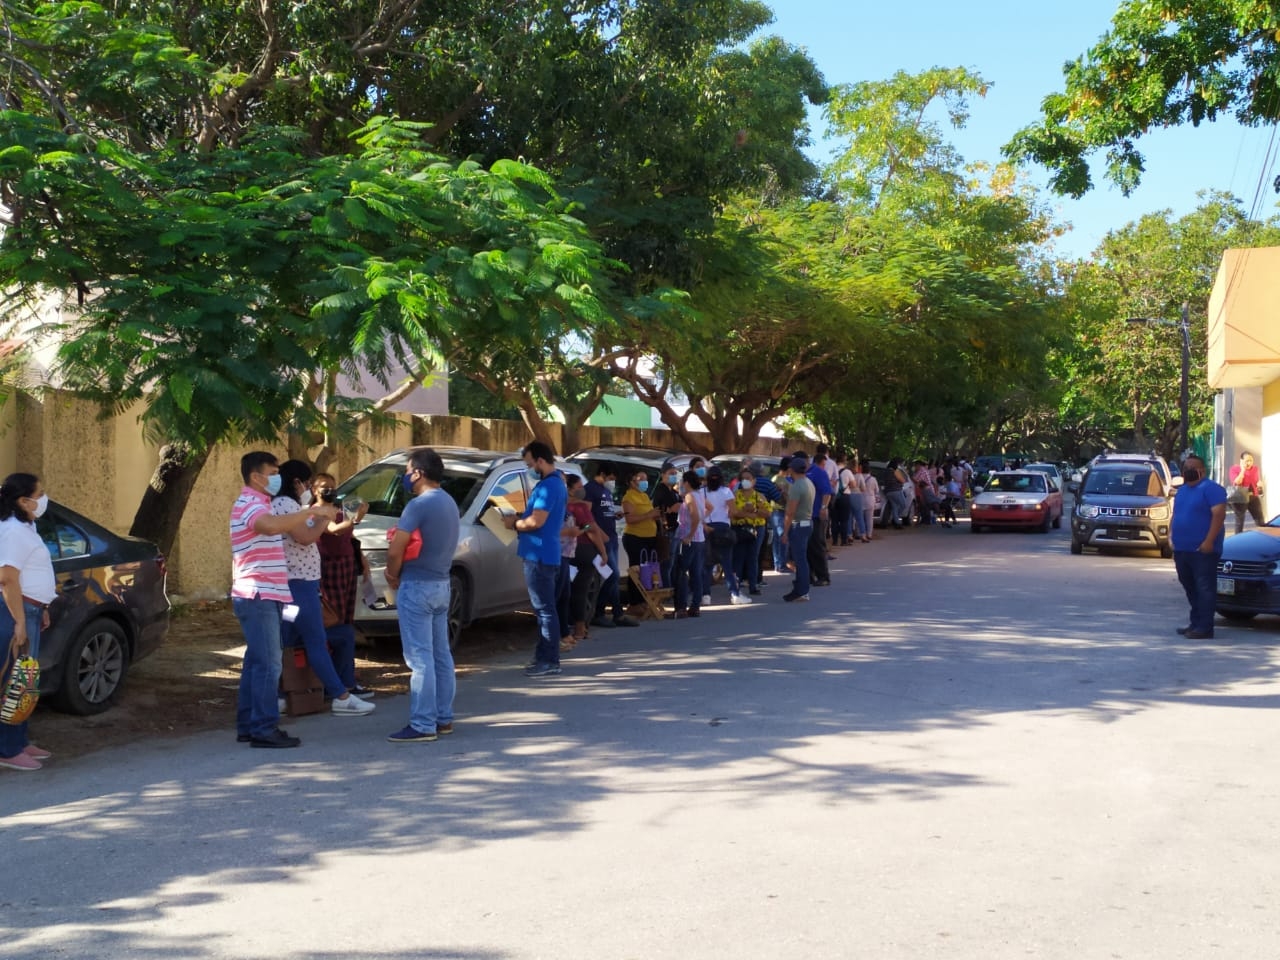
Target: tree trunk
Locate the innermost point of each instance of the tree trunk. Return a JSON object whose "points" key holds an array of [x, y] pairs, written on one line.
{"points": [[159, 515]]}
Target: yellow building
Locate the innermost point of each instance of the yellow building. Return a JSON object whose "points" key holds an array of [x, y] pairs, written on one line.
{"points": [[1244, 346]]}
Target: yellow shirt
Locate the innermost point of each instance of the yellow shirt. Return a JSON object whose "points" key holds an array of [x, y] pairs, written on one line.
{"points": [[640, 504], [744, 498]]}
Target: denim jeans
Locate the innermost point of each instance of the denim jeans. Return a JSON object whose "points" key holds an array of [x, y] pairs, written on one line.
{"points": [[307, 631], [900, 504], [856, 519], [541, 580], [258, 706], [799, 542], [341, 638], [720, 555], [1198, 574], [424, 635], [762, 531], [564, 592], [690, 559], [777, 526], [610, 594], [746, 560], [13, 736]]}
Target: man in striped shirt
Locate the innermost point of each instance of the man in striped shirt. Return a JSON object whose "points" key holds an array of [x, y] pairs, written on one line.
{"points": [[259, 589]]}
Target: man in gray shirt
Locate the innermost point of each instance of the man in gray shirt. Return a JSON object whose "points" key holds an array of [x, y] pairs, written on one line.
{"points": [[428, 524], [798, 524]]}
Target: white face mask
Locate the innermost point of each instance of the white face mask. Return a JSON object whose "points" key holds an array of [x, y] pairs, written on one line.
{"points": [[42, 504], [746, 484], [305, 499]]}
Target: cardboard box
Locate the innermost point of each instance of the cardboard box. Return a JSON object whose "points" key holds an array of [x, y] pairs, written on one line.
{"points": [[296, 675], [299, 704]]}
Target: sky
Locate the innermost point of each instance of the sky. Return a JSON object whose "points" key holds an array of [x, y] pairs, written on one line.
{"points": [[1019, 47]]}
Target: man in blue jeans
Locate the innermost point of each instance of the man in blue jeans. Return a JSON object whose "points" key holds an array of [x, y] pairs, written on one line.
{"points": [[422, 590], [599, 493], [539, 547], [799, 524], [1199, 515]]}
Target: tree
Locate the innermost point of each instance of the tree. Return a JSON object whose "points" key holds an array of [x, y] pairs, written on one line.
{"points": [[1163, 63]]}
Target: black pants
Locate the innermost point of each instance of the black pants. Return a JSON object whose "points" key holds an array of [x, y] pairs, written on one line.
{"points": [[1254, 509], [839, 514], [817, 551]]}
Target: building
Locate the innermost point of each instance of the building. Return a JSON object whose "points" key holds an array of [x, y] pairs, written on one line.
{"points": [[1244, 359]]}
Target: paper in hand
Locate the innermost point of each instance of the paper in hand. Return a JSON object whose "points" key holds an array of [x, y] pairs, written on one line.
{"points": [[603, 568]]}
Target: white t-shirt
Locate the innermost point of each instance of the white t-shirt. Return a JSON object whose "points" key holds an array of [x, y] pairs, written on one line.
{"points": [[22, 548], [718, 505], [303, 558]]}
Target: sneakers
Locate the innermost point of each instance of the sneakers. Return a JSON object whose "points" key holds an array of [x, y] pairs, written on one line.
{"points": [[542, 670], [353, 706], [625, 621], [364, 693], [795, 597], [739, 600], [706, 599], [277, 740], [20, 761], [410, 735], [36, 753], [444, 729]]}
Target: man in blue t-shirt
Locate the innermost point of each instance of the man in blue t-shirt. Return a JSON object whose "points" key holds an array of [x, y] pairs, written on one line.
{"points": [[819, 571], [422, 596], [1199, 515], [539, 547]]}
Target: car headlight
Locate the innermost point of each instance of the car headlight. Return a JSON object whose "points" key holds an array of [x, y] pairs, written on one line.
{"points": [[1159, 513], [1087, 510], [1275, 568]]}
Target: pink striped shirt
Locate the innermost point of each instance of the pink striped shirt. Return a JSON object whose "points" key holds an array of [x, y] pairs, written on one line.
{"points": [[258, 566]]}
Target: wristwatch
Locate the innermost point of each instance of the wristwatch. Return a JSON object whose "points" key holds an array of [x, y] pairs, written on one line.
{"points": [[311, 522]]}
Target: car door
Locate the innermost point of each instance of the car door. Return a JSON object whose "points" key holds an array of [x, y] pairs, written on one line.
{"points": [[500, 584], [69, 548]]}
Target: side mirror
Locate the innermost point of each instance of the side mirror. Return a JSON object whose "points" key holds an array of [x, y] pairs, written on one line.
{"points": [[976, 491], [1176, 482]]}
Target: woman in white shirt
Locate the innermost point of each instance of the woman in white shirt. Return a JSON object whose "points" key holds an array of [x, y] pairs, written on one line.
{"points": [[870, 493], [28, 586], [720, 536]]}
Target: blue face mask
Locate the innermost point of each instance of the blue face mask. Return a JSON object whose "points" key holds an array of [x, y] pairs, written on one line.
{"points": [[406, 481], [534, 475], [643, 486], [701, 471], [273, 484]]}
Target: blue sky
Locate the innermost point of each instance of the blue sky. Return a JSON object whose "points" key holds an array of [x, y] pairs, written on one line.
{"points": [[1019, 47]]}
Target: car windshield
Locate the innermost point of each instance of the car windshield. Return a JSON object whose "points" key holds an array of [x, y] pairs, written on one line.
{"points": [[1046, 468], [1139, 481], [379, 485], [1016, 483]]}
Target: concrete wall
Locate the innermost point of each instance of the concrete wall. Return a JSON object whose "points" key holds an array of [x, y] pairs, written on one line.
{"points": [[100, 467]]}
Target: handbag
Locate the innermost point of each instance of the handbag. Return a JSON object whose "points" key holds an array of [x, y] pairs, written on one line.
{"points": [[21, 692], [744, 534], [1238, 494], [412, 548], [650, 570]]}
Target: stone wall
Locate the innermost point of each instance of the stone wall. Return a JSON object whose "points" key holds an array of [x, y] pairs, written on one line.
{"points": [[100, 467]]}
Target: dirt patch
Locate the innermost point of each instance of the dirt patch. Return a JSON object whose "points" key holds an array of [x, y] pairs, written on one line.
{"points": [[190, 683]]}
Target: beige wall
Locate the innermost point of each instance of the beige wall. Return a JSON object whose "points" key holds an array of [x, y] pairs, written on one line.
{"points": [[101, 467]]}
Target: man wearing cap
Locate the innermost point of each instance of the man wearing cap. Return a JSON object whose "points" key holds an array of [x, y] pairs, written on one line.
{"points": [[798, 524]]}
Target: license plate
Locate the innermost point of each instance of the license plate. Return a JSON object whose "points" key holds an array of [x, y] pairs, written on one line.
{"points": [[1226, 586], [1124, 533]]}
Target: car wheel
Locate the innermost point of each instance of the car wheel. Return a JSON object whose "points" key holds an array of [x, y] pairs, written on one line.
{"points": [[1240, 615], [457, 608], [1046, 523], [1076, 546], [1057, 522], [95, 667], [1166, 551]]}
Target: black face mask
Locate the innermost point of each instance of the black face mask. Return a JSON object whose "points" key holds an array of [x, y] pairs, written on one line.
{"points": [[714, 482], [1190, 475]]}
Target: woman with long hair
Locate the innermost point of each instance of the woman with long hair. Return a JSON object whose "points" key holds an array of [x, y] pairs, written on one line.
{"points": [[28, 586]]}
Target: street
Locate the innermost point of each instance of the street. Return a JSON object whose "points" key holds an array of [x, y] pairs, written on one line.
{"points": [[967, 746]]}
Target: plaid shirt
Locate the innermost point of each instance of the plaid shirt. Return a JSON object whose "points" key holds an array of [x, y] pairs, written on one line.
{"points": [[338, 574]]}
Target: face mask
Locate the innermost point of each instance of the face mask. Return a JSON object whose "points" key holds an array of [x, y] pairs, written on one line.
{"points": [[305, 499], [407, 482], [643, 486], [273, 484], [42, 504], [701, 471], [609, 485], [534, 475], [673, 478], [1190, 475], [577, 493], [746, 484]]}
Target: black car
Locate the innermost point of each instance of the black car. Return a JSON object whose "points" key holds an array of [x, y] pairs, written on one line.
{"points": [[111, 610], [1249, 573], [1123, 503]]}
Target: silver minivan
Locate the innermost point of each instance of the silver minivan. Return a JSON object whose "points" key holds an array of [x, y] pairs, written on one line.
{"points": [[487, 577]]}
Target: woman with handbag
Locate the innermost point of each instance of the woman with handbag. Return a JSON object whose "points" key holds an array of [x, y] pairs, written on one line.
{"points": [[339, 565], [1245, 493], [749, 512], [640, 538], [720, 536], [690, 537], [28, 586]]}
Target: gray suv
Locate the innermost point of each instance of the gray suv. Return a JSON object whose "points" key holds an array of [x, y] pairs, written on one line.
{"points": [[1125, 503], [487, 576]]}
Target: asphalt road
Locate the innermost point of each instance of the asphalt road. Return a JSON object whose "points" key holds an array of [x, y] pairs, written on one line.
{"points": [[968, 746]]}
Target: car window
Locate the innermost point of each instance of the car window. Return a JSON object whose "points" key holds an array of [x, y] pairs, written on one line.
{"points": [[1139, 482], [62, 539], [1009, 483], [511, 487], [380, 486]]}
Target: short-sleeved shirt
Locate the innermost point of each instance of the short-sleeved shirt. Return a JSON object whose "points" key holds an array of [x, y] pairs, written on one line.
{"points": [[22, 548], [768, 489], [258, 566], [803, 495], [434, 514], [821, 488], [603, 507], [1193, 513], [664, 498], [543, 545], [718, 505], [303, 559], [744, 498], [641, 503]]}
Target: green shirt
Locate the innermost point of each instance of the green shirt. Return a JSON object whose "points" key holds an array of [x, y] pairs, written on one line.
{"points": [[801, 495]]}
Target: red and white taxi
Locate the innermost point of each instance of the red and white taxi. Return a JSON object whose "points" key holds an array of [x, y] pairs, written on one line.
{"points": [[1017, 498]]}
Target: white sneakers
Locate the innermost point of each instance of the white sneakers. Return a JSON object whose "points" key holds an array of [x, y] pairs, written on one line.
{"points": [[739, 599], [353, 706]]}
